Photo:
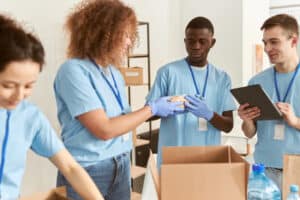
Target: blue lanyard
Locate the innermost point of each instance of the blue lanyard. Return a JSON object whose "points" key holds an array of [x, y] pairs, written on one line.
{"points": [[4, 145], [115, 91], [194, 80], [289, 86]]}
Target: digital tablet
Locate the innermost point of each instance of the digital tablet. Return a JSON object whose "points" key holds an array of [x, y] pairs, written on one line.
{"points": [[256, 96]]}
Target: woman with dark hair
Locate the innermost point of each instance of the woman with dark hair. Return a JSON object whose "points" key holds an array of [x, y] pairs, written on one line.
{"points": [[92, 106], [22, 125]]}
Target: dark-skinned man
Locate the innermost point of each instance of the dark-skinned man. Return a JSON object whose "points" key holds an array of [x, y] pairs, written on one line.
{"points": [[209, 105]]}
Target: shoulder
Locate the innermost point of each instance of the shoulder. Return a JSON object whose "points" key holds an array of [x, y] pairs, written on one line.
{"points": [[30, 113], [262, 76], [219, 73], [172, 66], [73, 66]]}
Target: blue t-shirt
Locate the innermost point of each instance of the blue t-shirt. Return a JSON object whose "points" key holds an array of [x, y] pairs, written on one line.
{"points": [[268, 150], [182, 130], [79, 88], [28, 128]]}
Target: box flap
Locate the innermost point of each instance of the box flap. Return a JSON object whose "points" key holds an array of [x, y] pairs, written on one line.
{"points": [[154, 172], [198, 154]]}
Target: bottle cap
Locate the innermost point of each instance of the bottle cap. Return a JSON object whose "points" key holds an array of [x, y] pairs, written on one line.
{"points": [[258, 168], [294, 188]]}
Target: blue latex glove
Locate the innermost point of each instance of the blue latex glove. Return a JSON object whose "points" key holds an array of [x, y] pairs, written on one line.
{"points": [[198, 107], [163, 107]]}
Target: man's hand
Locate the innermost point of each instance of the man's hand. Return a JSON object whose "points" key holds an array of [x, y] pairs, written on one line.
{"points": [[288, 114], [248, 114]]}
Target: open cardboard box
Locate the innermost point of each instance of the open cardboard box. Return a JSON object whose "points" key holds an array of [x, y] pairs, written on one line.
{"points": [[59, 193], [195, 173]]}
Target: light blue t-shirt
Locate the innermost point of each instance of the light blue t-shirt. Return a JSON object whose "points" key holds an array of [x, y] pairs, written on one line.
{"points": [[182, 130], [268, 150], [28, 128], [80, 88]]}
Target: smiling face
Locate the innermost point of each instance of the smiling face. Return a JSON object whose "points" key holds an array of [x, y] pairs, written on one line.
{"points": [[279, 44], [16, 82], [198, 43]]}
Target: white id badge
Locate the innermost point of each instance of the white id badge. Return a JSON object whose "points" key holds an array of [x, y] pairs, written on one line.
{"points": [[279, 131], [202, 124], [125, 137]]}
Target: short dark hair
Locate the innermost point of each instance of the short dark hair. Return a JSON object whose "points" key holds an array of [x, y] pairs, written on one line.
{"points": [[18, 45], [200, 23], [285, 21]]}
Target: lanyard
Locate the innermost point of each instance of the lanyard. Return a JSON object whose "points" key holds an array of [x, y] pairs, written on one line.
{"points": [[194, 80], [289, 86], [4, 145], [115, 91]]}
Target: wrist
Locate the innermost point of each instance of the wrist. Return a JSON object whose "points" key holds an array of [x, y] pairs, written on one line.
{"points": [[151, 107], [209, 115]]}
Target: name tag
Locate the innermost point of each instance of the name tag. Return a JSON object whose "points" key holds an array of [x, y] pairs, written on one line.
{"points": [[202, 124], [279, 131]]}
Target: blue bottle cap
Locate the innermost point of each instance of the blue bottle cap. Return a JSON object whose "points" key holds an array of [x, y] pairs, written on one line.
{"points": [[258, 168], [294, 188]]}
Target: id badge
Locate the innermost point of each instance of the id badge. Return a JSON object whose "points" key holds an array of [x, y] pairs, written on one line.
{"points": [[125, 137], [202, 124], [279, 131]]}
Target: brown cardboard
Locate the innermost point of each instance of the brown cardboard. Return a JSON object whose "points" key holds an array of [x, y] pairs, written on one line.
{"points": [[59, 193], [291, 173], [132, 75], [195, 173]]}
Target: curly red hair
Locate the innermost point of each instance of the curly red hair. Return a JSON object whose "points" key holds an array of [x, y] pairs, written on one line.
{"points": [[97, 29]]}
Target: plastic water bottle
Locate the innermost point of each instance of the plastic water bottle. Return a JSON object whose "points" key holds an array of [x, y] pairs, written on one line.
{"points": [[260, 187], [293, 195]]}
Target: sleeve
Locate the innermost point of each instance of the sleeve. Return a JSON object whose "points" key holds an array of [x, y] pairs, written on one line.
{"points": [[75, 86], [229, 103], [160, 86], [251, 81], [46, 142]]}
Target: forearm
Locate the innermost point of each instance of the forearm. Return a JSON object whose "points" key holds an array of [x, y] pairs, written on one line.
{"points": [[125, 123], [82, 183], [106, 128], [76, 176], [222, 123], [249, 128]]}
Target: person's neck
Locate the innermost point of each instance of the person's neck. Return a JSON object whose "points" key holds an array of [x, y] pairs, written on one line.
{"points": [[197, 63], [288, 66]]}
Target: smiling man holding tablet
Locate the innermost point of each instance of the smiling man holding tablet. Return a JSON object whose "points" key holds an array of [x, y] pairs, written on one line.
{"points": [[281, 82]]}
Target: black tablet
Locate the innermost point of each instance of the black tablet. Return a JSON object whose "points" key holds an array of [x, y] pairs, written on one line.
{"points": [[256, 96]]}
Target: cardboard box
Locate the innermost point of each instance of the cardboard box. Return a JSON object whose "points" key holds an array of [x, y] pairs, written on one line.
{"points": [[132, 75], [291, 173], [59, 193], [195, 173]]}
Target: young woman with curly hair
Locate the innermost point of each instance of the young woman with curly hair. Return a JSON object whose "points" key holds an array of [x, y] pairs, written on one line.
{"points": [[90, 93], [22, 124]]}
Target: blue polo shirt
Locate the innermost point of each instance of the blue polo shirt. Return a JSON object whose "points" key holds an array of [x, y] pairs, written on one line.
{"points": [[268, 150], [27, 128], [79, 88]]}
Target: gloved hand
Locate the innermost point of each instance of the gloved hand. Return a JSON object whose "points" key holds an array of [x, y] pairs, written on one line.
{"points": [[163, 107], [198, 107]]}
